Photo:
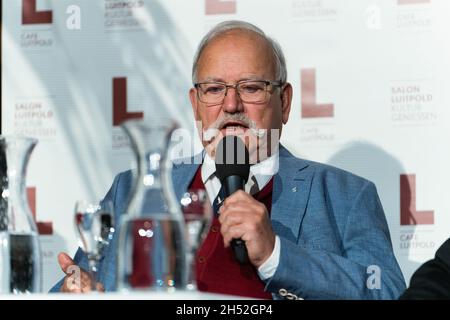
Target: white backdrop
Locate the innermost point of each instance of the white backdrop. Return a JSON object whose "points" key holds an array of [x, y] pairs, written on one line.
{"points": [[371, 95]]}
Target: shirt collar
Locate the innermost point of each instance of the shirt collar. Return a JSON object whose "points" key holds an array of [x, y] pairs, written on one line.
{"points": [[208, 167], [262, 171]]}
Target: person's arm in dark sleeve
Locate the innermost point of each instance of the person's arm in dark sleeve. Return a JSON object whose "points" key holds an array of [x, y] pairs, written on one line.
{"points": [[432, 279]]}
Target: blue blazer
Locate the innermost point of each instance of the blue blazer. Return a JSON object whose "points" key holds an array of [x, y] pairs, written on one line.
{"points": [[335, 241]]}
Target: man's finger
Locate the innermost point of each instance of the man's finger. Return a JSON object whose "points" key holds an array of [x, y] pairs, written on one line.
{"points": [[236, 232], [65, 262], [239, 197], [99, 287]]}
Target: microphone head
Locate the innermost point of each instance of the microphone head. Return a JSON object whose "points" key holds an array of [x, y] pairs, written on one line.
{"points": [[232, 158]]}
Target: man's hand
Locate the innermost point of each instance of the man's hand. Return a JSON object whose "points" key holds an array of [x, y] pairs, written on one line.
{"points": [[77, 280], [241, 216]]}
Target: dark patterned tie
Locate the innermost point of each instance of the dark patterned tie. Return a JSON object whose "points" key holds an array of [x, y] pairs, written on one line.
{"points": [[218, 201], [254, 188]]}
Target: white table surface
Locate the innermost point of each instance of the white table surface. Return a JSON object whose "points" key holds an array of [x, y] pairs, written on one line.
{"points": [[180, 295]]}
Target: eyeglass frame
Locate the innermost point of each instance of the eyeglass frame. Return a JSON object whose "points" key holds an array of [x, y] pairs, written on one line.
{"points": [[278, 83]]}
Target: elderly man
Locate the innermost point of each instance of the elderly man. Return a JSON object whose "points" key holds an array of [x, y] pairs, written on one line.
{"points": [[311, 231]]}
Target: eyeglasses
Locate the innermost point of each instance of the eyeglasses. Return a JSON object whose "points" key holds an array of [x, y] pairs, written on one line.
{"points": [[249, 91]]}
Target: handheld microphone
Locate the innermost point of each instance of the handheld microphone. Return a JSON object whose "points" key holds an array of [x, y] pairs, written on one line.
{"points": [[233, 169]]}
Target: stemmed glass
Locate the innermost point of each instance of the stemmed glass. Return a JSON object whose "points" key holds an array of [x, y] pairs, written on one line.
{"points": [[94, 227], [197, 212]]}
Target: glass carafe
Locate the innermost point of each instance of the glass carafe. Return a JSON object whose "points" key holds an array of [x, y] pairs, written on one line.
{"points": [[20, 256], [152, 250]]}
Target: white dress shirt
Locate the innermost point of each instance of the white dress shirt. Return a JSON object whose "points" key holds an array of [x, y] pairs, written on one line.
{"points": [[260, 172]]}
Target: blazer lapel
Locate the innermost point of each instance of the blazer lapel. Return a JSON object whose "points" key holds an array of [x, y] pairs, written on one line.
{"points": [[182, 175], [291, 190]]}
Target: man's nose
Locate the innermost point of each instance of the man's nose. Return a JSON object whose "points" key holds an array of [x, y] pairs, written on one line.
{"points": [[231, 102]]}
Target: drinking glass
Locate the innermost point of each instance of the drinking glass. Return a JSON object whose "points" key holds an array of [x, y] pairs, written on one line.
{"points": [[94, 228], [197, 213]]}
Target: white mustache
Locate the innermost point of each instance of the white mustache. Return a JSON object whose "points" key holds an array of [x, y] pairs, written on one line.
{"points": [[215, 127]]}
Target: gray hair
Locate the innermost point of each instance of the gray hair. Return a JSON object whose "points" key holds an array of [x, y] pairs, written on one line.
{"points": [[223, 27]]}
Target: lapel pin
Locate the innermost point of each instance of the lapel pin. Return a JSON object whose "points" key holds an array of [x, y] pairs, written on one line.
{"points": [[294, 189]]}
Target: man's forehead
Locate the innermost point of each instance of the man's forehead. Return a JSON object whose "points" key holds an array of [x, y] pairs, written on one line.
{"points": [[253, 56], [243, 77]]}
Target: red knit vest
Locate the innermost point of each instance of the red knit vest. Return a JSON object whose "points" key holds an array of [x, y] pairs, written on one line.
{"points": [[217, 270]]}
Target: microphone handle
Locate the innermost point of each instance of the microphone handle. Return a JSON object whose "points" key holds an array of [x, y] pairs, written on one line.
{"points": [[232, 184], [240, 250]]}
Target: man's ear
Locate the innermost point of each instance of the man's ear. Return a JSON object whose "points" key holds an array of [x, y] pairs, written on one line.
{"points": [[194, 104], [286, 100]]}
